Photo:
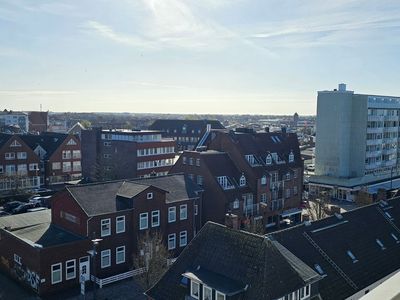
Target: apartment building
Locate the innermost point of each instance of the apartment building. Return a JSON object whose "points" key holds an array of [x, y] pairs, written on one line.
{"points": [[60, 156], [356, 143], [118, 154], [49, 251], [19, 165], [186, 133], [251, 176], [14, 118]]}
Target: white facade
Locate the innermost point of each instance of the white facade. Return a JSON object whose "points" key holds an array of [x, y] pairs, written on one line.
{"points": [[357, 137]]}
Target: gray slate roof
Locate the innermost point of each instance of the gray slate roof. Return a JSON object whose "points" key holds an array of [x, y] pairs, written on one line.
{"points": [[100, 198], [234, 259]]}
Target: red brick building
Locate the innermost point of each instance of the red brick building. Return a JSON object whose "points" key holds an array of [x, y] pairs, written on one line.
{"points": [[119, 154], [50, 252], [19, 165], [60, 156], [250, 176]]}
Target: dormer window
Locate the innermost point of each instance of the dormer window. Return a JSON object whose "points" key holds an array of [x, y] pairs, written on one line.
{"points": [[15, 144], [184, 160], [194, 289], [242, 181], [264, 180], [250, 159], [268, 160], [291, 157], [207, 293]]}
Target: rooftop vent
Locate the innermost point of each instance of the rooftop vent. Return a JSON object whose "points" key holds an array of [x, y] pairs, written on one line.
{"points": [[395, 238], [338, 216], [353, 258], [379, 242]]}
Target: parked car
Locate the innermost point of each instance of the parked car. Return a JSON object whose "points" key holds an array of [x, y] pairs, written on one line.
{"points": [[23, 208], [9, 206], [3, 213], [40, 190], [40, 200]]}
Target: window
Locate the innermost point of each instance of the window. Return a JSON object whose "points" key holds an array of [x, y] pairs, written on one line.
{"points": [[236, 204], [219, 296], [198, 162], [379, 242], [207, 293], [120, 255], [105, 227], [155, 218], [143, 221], [10, 169], [294, 173], [191, 161], [15, 144], [291, 157], [305, 292], [107, 144], [196, 209], [183, 238], [120, 224], [287, 193], [395, 238], [264, 198], [21, 155], [171, 214], [22, 169], [71, 142], [107, 155], [67, 166], [66, 154], [76, 166], [200, 180], [1, 169], [105, 258], [56, 166], [76, 154], [149, 195], [354, 259], [242, 181], [70, 269], [295, 190], [287, 176], [268, 160], [183, 212], [171, 241], [264, 180], [184, 160], [194, 289], [17, 259], [9, 155], [56, 273]]}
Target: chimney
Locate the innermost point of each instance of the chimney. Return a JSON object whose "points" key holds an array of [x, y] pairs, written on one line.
{"points": [[283, 129], [266, 129]]}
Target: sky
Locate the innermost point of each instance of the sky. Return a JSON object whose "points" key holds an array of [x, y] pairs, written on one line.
{"points": [[194, 56]]}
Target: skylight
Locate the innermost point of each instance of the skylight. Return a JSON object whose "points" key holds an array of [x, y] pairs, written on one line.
{"points": [[319, 269], [388, 215], [378, 241], [395, 238], [354, 259]]}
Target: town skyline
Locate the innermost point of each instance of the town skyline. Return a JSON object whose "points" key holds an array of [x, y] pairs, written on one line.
{"points": [[216, 57]]}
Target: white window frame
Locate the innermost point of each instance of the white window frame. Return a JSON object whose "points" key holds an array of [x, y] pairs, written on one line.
{"points": [[155, 213], [194, 283], [242, 180], [104, 222], [171, 237], [264, 180], [22, 155], [206, 288], [119, 250], [119, 220], [170, 210], [149, 195], [103, 254], [236, 204], [196, 209], [143, 216], [52, 273], [183, 208], [217, 293], [67, 277], [17, 259], [181, 235]]}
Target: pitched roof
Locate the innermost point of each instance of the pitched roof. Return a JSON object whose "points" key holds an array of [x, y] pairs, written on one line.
{"points": [[174, 124], [100, 198], [49, 141], [235, 260], [357, 231]]}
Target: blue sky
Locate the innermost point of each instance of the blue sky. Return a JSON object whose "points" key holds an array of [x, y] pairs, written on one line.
{"points": [[208, 56]]}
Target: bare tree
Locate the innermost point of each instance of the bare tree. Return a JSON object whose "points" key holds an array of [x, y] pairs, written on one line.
{"points": [[152, 255], [318, 207]]}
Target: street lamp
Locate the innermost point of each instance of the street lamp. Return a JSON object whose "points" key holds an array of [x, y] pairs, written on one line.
{"points": [[92, 254]]}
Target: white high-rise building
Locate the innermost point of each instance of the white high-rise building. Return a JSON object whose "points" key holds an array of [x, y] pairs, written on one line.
{"points": [[356, 143]]}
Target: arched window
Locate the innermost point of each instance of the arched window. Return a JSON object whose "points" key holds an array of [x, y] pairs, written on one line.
{"points": [[264, 180], [242, 181], [291, 157], [269, 159], [236, 204]]}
